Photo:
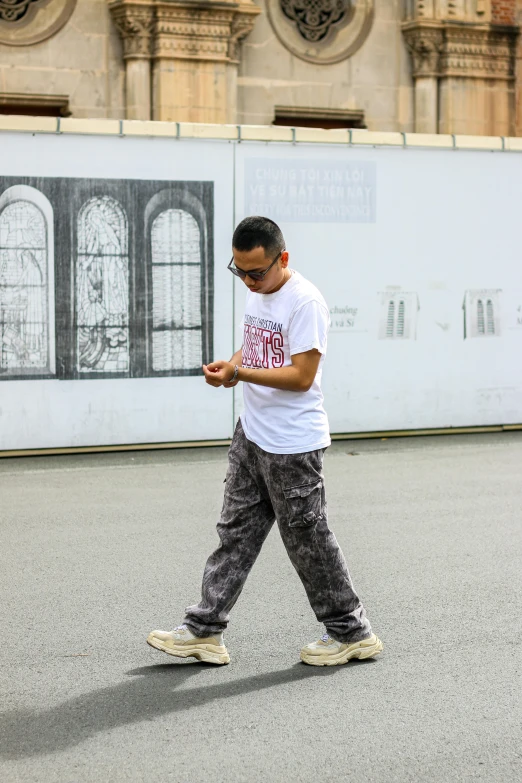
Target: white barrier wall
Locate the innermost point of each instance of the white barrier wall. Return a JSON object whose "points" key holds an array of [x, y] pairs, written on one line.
{"points": [[114, 288], [417, 254]]}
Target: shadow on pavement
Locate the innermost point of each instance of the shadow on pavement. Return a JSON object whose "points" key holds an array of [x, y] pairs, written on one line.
{"points": [[148, 695]]}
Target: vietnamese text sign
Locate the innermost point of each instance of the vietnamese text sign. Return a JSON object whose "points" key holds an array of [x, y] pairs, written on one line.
{"points": [[310, 191]]}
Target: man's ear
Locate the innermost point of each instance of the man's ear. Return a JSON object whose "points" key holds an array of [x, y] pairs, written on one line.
{"points": [[285, 257]]}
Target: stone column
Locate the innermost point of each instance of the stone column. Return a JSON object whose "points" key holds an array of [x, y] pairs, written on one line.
{"points": [[463, 64], [477, 81], [194, 48], [196, 56], [135, 22], [424, 43]]}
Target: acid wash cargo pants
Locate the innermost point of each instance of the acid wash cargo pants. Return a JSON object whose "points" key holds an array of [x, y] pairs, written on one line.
{"points": [[260, 488]]}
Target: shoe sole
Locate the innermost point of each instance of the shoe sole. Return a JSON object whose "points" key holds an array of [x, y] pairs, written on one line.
{"points": [[367, 648], [207, 653]]}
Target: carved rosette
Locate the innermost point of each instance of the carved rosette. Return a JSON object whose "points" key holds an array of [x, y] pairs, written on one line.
{"points": [[14, 10], [314, 18], [183, 29]]}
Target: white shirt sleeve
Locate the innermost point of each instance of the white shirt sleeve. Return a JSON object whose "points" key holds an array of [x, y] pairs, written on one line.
{"points": [[308, 328]]}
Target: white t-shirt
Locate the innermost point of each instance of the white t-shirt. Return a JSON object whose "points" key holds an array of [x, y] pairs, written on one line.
{"points": [[293, 320]]}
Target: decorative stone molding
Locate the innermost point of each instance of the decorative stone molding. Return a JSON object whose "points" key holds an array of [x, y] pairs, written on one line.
{"points": [[186, 33], [457, 49], [478, 11], [425, 44], [27, 22], [242, 25], [135, 23], [183, 29], [483, 52]]}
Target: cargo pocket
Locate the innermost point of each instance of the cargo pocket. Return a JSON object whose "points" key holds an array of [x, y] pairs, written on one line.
{"points": [[304, 504]]}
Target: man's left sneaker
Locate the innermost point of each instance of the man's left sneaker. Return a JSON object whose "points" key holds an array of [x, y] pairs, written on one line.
{"points": [[329, 652], [182, 643]]}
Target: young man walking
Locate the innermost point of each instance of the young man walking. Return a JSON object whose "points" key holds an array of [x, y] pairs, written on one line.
{"points": [[275, 462]]}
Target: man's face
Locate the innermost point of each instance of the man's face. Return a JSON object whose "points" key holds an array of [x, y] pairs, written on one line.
{"points": [[256, 260]]}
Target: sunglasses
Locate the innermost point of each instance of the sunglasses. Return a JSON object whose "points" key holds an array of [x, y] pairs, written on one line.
{"points": [[253, 275]]}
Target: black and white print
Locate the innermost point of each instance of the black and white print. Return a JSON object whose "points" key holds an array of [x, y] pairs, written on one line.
{"points": [[104, 278], [482, 313], [398, 315]]}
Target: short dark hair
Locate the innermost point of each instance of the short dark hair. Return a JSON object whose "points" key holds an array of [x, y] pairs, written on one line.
{"points": [[257, 231]]}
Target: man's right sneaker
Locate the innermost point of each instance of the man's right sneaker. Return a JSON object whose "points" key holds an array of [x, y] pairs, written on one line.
{"points": [[183, 644], [329, 652]]}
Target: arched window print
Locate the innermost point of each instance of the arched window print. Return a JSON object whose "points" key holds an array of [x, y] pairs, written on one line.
{"points": [[490, 319], [26, 283], [398, 316], [391, 318], [480, 316], [102, 288], [395, 322], [176, 291], [482, 313], [400, 320]]}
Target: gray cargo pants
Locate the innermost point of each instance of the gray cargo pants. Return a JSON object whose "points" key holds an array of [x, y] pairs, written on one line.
{"points": [[260, 488]]}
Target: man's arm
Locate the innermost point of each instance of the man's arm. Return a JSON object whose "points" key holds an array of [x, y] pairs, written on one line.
{"points": [[298, 377], [236, 359]]}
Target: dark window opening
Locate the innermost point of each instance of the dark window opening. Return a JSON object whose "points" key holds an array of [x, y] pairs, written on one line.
{"points": [[34, 105], [328, 119]]}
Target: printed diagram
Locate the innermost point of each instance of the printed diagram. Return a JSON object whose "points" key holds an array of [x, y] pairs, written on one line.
{"points": [[25, 286], [102, 287], [482, 313], [398, 315], [176, 290], [131, 271]]}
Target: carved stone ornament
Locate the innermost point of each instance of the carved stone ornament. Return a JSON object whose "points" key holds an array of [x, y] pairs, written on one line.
{"points": [[27, 22], [314, 18], [472, 51], [425, 46], [13, 10], [321, 31], [183, 29], [135, 25]]}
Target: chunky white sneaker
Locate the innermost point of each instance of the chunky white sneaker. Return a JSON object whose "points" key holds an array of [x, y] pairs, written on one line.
{"points": [[328, 652], [183, 644]]}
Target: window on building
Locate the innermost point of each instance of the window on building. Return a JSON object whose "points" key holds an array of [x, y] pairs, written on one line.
{"points": [[34, 105], [299, 117]]}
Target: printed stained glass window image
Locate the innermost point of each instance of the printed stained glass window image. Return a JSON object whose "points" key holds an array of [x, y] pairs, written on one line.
{"points": [[102, 287], [176, 291], [24, 289]]}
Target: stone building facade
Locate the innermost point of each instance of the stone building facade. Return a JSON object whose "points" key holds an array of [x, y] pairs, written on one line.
{"points": [[435, 66]]}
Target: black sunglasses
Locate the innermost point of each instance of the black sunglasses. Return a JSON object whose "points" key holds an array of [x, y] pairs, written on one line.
{"points": [[253, 275]]}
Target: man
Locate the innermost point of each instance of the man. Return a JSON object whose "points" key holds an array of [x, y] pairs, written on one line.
{"points": [[275, 462]]}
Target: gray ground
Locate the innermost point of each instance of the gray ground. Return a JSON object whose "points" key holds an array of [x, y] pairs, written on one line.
{"points": [[97, 550]]}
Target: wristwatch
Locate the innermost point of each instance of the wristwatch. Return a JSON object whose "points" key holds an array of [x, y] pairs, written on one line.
{"points": [[234, 377]]}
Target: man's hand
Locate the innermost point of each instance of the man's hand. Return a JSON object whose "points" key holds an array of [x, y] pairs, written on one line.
{"points": [[219, 374]]}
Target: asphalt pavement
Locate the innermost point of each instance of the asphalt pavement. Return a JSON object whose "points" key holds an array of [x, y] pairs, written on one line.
{"points": [[97, 550]]}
